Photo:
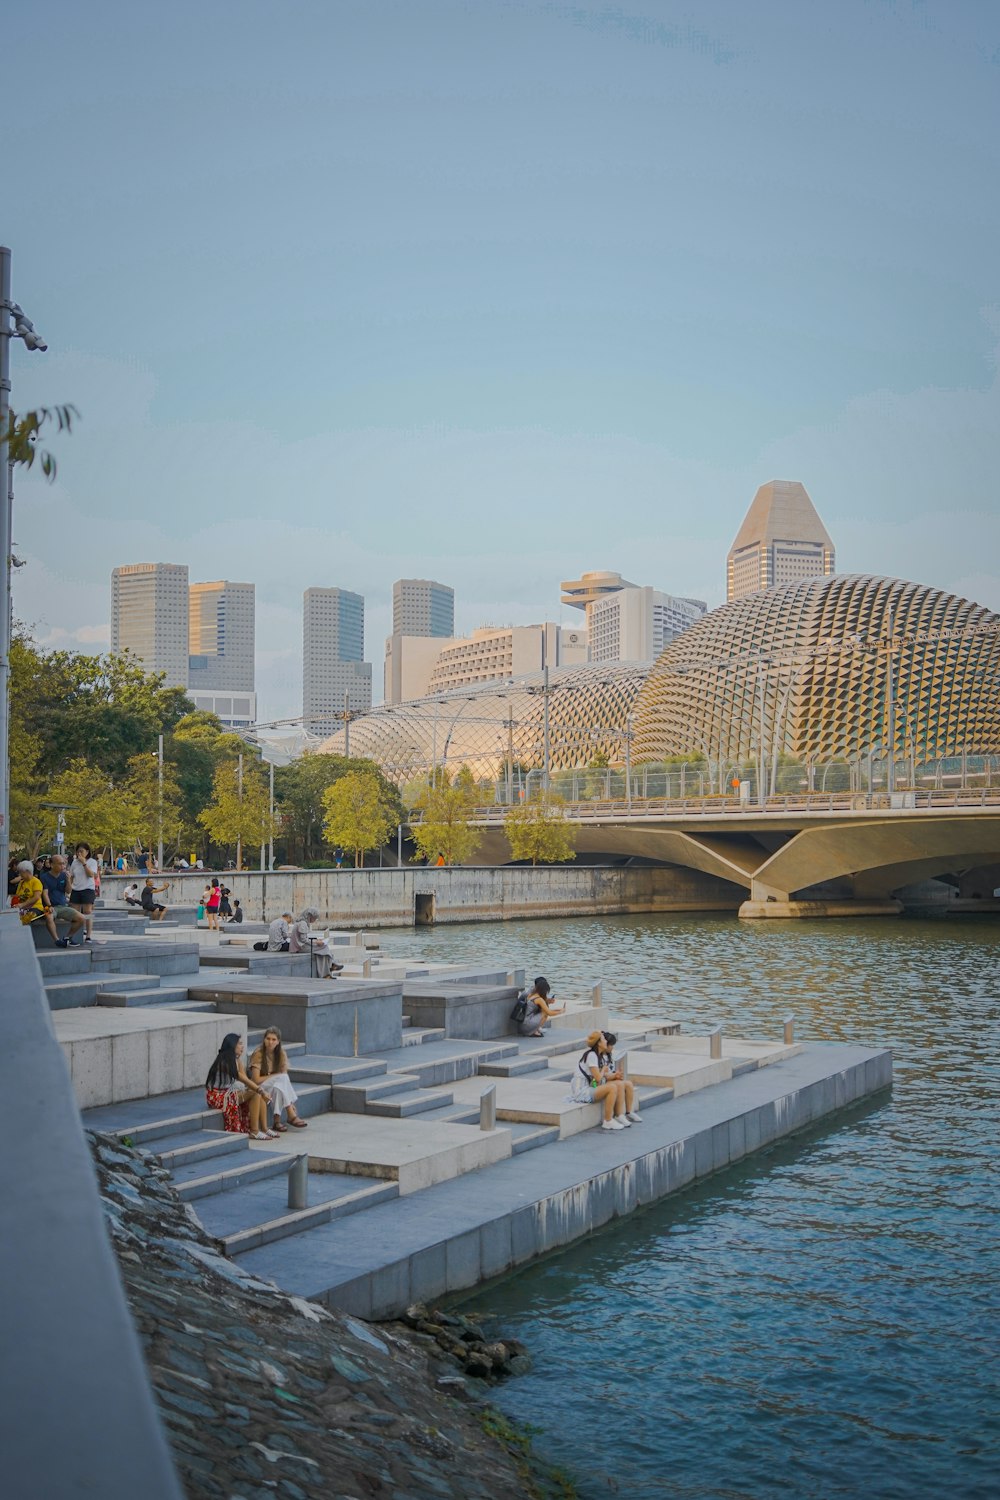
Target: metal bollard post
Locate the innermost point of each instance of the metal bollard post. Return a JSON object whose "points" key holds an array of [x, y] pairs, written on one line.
{"points": [[623, 1065], [298, 1183], [488, 1109], [597, 995], [715, 1043], [511, 981], [366, 969], [789, 1030]]}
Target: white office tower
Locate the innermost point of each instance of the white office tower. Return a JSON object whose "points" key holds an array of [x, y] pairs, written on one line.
{"points": [[422, 607], [335, 677], [634, 624], [782, 539], [149, 617], [498, 653]]}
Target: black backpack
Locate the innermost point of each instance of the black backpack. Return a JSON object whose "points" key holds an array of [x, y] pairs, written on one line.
{"points": [[520, 1007]]}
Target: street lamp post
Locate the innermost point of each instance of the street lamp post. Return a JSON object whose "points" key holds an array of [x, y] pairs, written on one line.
{"points": [[23, 329]]}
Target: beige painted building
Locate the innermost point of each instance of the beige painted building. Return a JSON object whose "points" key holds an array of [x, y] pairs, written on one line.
{"points": [[149, 617], [782, 540]]}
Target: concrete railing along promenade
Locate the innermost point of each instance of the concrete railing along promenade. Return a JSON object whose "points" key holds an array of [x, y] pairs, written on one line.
{"points": [[903, 803]]}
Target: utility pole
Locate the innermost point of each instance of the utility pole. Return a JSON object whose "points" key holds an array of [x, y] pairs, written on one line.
{"points": [[545, 732], [347, 724], [628, 762], [270, 842], [23, 329], [761, 750], [510, 757], [159, 805], [890, 710], [239, 836]]}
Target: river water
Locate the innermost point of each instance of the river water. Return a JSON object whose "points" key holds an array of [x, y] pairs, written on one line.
{"points": [[821, 1320]]}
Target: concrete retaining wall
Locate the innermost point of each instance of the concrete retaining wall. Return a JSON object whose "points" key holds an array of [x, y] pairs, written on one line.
{"points": [[398, 898]]}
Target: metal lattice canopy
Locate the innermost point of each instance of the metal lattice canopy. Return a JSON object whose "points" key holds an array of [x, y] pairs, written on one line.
{"points": [[482, 725], [828, 668]]}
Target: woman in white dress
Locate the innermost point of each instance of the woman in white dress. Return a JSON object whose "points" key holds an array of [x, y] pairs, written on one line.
{"points": [[269, 1069]]}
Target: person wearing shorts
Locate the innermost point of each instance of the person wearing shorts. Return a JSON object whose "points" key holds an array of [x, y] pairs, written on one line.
{"points": [[153, 909], [82, 886]]}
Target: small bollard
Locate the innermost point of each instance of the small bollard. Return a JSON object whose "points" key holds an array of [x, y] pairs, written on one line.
{"points": [[597, 995], [715, 1043], [623, 1065], [488, 1108], [298, 1183], [511, 980], [789, 1030], [366, 969]]}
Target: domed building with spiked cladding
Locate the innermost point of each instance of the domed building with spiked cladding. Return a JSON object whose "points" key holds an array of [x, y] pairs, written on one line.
{"points": [[823, 669]]}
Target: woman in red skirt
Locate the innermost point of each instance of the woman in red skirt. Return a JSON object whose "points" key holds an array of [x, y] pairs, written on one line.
{"points": [[230, 1088]]}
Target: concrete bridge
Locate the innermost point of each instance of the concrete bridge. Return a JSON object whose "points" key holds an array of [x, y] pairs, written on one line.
{"points": [[808, 855]]}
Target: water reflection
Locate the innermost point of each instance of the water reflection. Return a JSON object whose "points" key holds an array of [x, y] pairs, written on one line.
{"points": [[819, 1320]]}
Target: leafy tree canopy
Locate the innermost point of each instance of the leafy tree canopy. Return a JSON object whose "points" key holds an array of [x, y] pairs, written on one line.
{"points": [[444, 811], [538, 830], [300, 790], [359, 812]]}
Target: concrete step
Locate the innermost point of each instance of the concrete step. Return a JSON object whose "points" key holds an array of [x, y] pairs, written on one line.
{"points": [[318, 1068], [515, 1068], [254, 1039], [416, 1036], [531, 1137], [147, 1122], [61, 963], [346, 1197], [354, 1098], [150, 994], [70, 994], [192, 1181], [200, 1145], [402, 1106]]}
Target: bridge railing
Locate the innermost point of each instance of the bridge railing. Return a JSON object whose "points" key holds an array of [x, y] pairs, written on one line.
{"points": [[595, 810]]}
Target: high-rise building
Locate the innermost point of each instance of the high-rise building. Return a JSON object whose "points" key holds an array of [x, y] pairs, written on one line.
{"points": [[583, 591], [422, 607], [149, 617], [333, 669], [634, 624], [782, 539], [495, 653], [221, 637]]}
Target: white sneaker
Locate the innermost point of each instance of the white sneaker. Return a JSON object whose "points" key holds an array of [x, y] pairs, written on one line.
{"points": [[635, 1117], [624, 1122], [610, 1125]]}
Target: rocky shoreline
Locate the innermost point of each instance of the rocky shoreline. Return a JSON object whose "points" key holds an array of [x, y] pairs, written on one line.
{"points": [[262, 1392]]}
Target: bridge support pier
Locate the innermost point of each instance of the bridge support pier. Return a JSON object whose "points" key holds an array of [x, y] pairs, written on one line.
{"points": [[835, 906]]}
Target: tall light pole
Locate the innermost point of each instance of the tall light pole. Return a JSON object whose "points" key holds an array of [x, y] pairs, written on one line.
{"points": [[23, 329]]}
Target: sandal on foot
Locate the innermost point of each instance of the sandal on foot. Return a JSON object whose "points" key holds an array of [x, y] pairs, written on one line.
{"points": [[260, 1135], [298, 1123], [280, 1127], [536, 1033]]}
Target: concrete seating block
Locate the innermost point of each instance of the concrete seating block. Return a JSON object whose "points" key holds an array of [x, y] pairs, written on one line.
{"points": [[120, 1054], [334, 1017], [734, 1048], [537, 1098], [461, 1008], [129, 1066], [684, 1072], [413, 1153]]}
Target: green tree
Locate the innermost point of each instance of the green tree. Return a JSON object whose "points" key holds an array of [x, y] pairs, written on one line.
{"points": [[538, 830], [300, 790], [157, 811], [445, 810], [239, 814], [359, 815], [24, 431], [196, 747], [97, 812], [99, 709]]}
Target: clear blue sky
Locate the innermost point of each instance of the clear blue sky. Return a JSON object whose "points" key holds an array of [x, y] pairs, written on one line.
{"points": [[496, 292]]}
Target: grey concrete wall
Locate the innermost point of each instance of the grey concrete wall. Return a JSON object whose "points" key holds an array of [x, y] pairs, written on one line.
{"points": [[77, 1415], [387, 898]]}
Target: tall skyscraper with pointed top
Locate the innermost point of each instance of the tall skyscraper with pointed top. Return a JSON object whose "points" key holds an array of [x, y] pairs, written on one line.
{"points": [[781, 540]]}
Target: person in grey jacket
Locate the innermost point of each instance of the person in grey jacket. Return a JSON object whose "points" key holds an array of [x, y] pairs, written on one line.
{"points": [[279, 933]]}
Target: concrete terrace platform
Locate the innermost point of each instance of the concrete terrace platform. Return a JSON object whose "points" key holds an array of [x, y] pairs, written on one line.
{"points": [[735, 1049], [458, 1233], [413, 1153], [329, 1015], [120, 1054]]}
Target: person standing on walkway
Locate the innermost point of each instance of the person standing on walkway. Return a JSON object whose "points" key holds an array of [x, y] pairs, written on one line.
{"points": [[225, 910], [81, 886], [212, 905]]}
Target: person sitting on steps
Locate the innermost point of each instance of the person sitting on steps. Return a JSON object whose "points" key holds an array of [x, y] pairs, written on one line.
{"points": [[301, 940], [269, 1069], [540, 1011], [592, 1083], [616, 1074], [154, 910], [229, 1087]]}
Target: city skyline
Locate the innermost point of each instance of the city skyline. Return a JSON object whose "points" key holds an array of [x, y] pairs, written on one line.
{"points": [[568, 300]]}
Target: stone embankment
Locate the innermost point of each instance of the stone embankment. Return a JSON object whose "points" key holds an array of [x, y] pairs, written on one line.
{"points": [[264, 1393]]}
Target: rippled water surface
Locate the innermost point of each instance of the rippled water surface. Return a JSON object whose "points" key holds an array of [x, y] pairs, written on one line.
{"points": [[823, 1319]]}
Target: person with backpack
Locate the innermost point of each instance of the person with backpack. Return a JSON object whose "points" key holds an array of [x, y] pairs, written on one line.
{"points": [[616, 1074], [539, 1011], [593, 1083]]}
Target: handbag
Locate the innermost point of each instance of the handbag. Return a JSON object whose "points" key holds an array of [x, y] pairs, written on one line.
{"points": [[520, 1008]]}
